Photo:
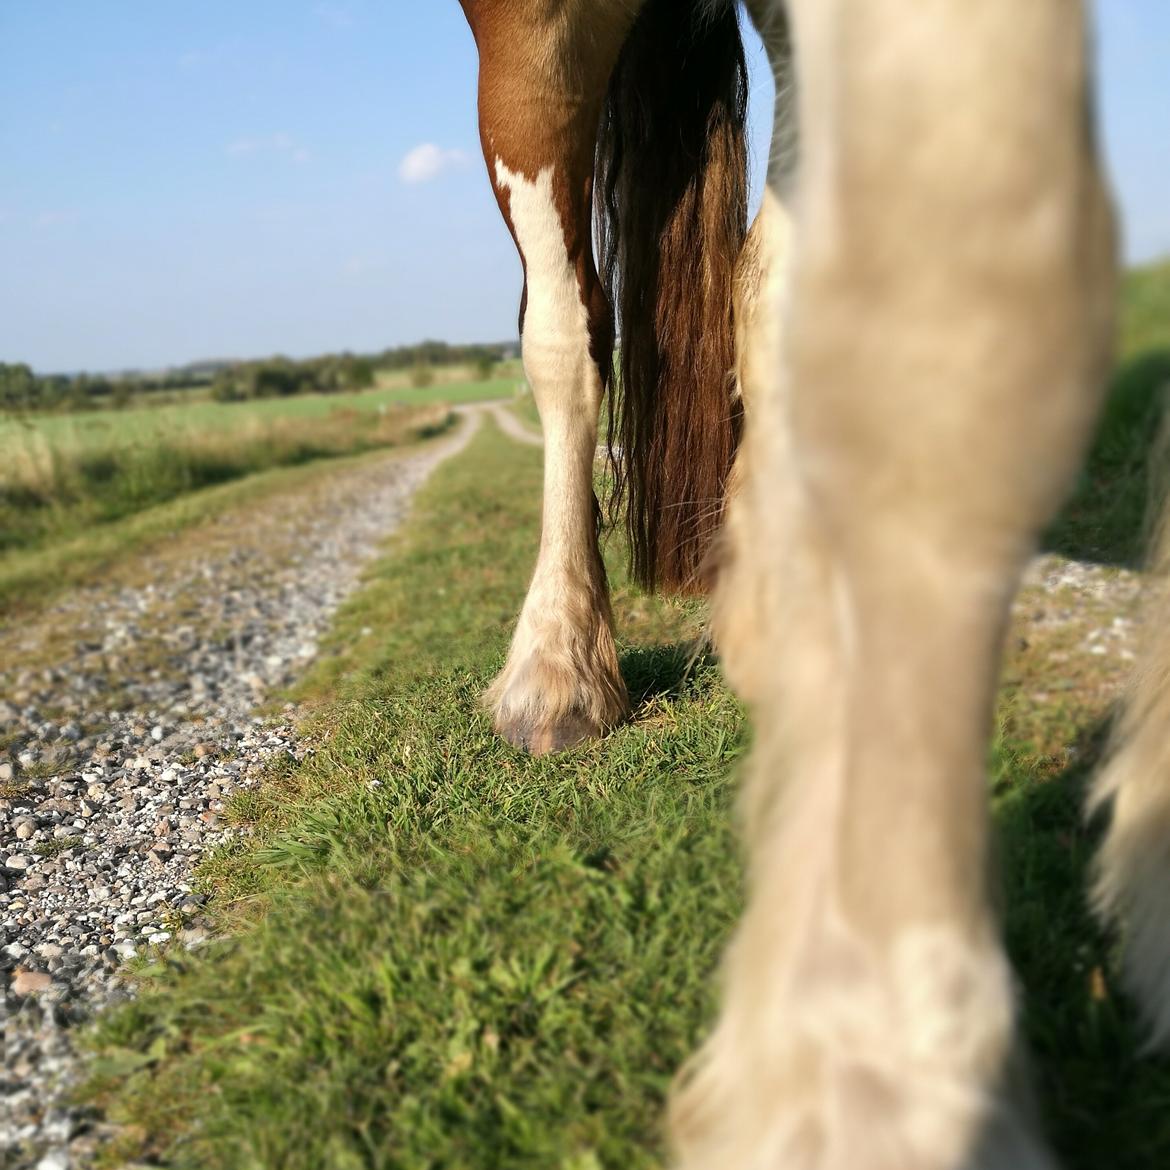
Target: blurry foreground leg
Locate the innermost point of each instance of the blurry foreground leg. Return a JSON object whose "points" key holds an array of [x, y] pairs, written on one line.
{"points": [[944, 342]]}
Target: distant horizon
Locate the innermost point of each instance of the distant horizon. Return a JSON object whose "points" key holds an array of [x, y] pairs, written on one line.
{"points": [[171, 367], [307, 355], [300, 177], [195, 363]]}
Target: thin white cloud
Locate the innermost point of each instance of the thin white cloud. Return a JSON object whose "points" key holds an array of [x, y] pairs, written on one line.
{"points": [[280, 144], [427, 161]]}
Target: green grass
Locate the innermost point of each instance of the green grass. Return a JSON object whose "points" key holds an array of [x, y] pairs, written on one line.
{"points": [[31, 578], [524, 407], [55, 493], [1106, 518], [55, 846], [447, 954], [106, 428], [63, 475]]}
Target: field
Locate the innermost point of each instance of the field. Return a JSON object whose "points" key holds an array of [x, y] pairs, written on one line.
{"points": [[108, 428], [70, 476], [508, 370], [444, 953], [1106, 518]]}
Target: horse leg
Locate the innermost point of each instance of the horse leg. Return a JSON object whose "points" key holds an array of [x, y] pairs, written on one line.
{"points": [[947, 322], [541, 84], [1133, 868]]}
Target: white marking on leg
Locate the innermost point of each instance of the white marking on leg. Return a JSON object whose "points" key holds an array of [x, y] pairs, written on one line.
{"points": [[562, 660], [555, 345]]}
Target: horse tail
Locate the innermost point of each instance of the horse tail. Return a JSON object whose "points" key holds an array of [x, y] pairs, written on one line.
{"points": [[671, 209]]}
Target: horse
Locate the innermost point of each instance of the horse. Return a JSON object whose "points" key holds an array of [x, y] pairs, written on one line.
{"points": [[851, 421]]}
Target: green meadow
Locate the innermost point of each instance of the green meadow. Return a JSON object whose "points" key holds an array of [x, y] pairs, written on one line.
{"points": [[67, 481], [107, 428]]}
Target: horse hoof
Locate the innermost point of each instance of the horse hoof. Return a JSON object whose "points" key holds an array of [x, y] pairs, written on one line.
{"points": [[542, 737]]}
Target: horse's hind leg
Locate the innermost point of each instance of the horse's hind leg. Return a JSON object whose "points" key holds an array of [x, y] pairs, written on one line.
{"points": [[1133, 870], [945, 336], [542, 80]]}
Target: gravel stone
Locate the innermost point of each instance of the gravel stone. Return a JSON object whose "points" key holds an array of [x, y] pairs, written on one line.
{"points": [[133, 736]]}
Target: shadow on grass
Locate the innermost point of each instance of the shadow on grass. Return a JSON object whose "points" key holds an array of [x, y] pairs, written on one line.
{"points": [[1105, 1105], [664, 672], [1105, 520]]}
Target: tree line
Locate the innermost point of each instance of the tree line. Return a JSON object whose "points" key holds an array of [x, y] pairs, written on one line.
{"points": [[21, 389]]}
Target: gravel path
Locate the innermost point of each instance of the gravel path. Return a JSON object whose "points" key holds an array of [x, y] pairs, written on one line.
{"points": [[126, 722], [508, 422], [1077, 627], [523, 432]]}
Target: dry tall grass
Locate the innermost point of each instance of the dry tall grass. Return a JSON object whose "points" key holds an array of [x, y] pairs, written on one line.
{"points": [[48, 490]]}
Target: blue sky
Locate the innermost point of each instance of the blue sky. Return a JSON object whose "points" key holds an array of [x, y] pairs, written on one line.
{"points": [[183, 181]]}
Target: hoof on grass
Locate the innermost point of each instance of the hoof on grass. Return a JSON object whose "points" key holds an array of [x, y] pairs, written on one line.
{"points": [[542, 736]]}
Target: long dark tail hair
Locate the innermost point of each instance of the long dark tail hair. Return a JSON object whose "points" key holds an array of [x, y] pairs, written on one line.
{"points": [[671, 204]]}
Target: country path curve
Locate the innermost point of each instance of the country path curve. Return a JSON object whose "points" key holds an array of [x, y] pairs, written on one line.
{"points": [[126, 721], [508, 422], [516, 428]]}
